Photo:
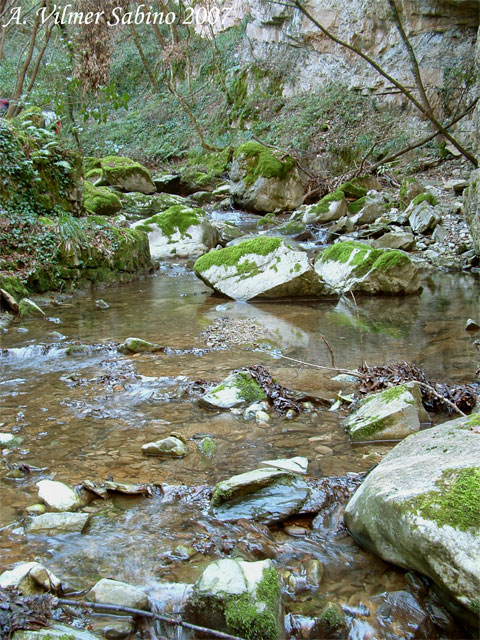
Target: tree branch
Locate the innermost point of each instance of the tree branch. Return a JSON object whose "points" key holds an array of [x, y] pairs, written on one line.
{"points": [[467, 154]]}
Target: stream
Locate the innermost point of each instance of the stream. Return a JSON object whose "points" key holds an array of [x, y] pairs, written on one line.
{"points": [[85, 411]]}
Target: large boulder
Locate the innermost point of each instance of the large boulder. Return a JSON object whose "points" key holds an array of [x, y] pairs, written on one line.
{"points": [[264, 267], [123, 594], [58, 496], [239, 598], [126, 175], [264, 180], [422, 216], [420, 508], [100, 201], [390, 414], [265, 495], [179, 231], [354, 266], [137, 206]]}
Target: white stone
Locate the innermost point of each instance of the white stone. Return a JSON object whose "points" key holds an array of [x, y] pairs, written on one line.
{"points": [[64, 522], [57, 495], [108, 591], [298, 464], [30, 578]]}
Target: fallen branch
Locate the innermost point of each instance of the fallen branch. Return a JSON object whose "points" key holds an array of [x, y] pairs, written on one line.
{"points": [[440, 397], [317, 366], [114, 609]]}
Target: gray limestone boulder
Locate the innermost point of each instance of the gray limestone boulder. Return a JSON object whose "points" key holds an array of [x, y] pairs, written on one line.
{"points": [[264, 267], [58, 496], [240, 598], [354, 266], [472, 208], [420, 508], [402, 240], [264, 180], [120, 593], [265, 495], [125, 174], [138, 206], [53, 523], [389, 415], [422, 217], [179, 231]]}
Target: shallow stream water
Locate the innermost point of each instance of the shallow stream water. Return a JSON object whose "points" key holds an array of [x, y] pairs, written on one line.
{"points": [[84, 413]]}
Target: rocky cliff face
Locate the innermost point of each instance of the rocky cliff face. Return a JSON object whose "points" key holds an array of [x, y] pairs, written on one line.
{"points": [[281, 38], [472, 199]]}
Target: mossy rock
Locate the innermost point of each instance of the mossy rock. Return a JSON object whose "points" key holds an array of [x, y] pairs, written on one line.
{"points": [[331, 207], [90, 163], [409, 189], [14, 286], [100, 201], [30, 116], [264, 180], [139, 206], [353, 189], [125, 174], [95, 176]]}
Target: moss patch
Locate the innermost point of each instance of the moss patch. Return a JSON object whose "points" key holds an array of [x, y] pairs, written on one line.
{"points": [[457, 503], [248, 388], [323, 205], [175, 218], [230, 256], [356, 206], [353, 189], [208, 447], [425, 197], [365, 258], [243, 617], [263, 163], [100, 200]]}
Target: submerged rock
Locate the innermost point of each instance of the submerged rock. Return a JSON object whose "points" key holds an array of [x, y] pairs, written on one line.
{"points": [[137, 345], [264, 267], [391, 414], [179, 231], [238, 389], [264, 180], [64, 522], [240, 598], [265, 495], [120, 593], [56, 632], [171, 446], [27, 309], [30, 578], [298, 464], [354, 266], [58, 496], [420, 508]]}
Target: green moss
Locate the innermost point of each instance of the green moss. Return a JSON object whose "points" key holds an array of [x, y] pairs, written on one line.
{"points": [[323, 205], [473, 421], [14, 286], [243, 617], [390, 394], [248, 387], [262, 162], [456, 503], [208, 447], [116, 168], [355, 206], [94, 175], [332, 617], [100, 200], [353, 189], [90, 163], [365, 257], [230, 256], [373, 426], [425, 197], [175, 218]]}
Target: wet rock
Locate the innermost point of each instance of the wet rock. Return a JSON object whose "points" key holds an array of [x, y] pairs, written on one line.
{"points": [[390, 414], [58, 496], [257, 411], [28, 309], [101, 304], [170, 446], [240, 598], [120, 593], [420, 508], [238, 389], [6, 320], [36, 509], [208, 447], [298, 464], [330, 620], [30, 578], [402, 240], [264, 495], [226, 232], [53, 523], [9, 440], [330, 208], [137, 345], [264, 267], [127, 175], [401, 614], [354, 266], [113, 627], [179, 231], [56, 632], [264, 180], [422, 217], [471, 325], [222, 190]]}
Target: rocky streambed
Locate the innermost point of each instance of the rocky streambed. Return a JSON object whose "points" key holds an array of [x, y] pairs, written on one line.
{"points": [[80, 412]]}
